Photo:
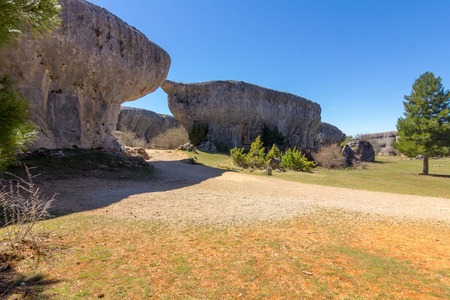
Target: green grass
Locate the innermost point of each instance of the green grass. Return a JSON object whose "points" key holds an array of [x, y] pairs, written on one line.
{"points": [[388, 174]]}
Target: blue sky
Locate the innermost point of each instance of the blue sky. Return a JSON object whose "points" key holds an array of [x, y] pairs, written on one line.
{"points": [[357, 59]]}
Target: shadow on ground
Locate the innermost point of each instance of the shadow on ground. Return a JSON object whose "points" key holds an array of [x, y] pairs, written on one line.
{"points": [[18, 285], [84, 194]]}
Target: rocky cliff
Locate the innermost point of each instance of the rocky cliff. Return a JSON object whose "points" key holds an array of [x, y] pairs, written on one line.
{"points": [[148, 125], [77, 76], [235, 111], [382, 142]]}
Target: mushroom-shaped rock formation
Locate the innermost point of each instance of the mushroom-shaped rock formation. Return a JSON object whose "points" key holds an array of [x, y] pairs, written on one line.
{"points": [[235, 112], [78, 75]]}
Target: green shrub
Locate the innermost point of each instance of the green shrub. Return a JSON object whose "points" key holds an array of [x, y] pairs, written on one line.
{"points": [[198, 134], [348, 138], [222, 147], [294, 160], [274, 152], [16, 127], [256, 157], [273, 136], [239, 157]]}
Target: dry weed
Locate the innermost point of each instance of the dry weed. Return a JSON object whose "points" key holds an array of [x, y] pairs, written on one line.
{"points": [[23, 207]]}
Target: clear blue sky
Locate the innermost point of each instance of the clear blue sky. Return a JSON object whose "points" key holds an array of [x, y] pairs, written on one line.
{"points": [[357, 59]]}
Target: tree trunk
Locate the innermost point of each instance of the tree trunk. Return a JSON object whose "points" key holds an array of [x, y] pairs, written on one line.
{"points": [[425, 165]]}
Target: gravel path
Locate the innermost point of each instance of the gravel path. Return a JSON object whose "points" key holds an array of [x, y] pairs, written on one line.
{"points": [[195, 192]]}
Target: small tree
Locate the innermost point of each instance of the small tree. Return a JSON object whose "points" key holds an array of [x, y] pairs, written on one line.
{"points": [[273, 137], [17, 17], [425, 128], [16, 129]]}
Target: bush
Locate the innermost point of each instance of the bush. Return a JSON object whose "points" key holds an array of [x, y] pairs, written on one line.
{"points": [[222, 147], [273, 137], [130, 139], [256, 158], [274, 153], [169, 139], [256, 155], [348, 138], [293, 159], [198, 134], [16, 128], [239, 157], [331, 157]]}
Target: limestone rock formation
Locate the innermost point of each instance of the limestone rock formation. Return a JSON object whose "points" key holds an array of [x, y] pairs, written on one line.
{"points": [[349, 154], [328, 134], [78, 75], [363, 150], [235, 112], [148, 125], [382, 142]]}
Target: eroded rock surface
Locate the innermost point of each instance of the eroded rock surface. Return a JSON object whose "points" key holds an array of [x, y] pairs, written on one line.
{"points": [[146, 124], [382, 142], [363, 150], [77, 76], [235, 111], [328, 134]]}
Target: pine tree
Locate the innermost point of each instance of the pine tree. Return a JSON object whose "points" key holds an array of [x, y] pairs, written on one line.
{"points": [[19, 16], [425, 127]]}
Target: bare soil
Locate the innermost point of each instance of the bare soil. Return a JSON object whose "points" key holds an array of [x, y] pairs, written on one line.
{"points": [[187, 192]]}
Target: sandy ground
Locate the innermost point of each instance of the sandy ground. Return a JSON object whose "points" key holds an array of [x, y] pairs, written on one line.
{"points": [[199, 193]]}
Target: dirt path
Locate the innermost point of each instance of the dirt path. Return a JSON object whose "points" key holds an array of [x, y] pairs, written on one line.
{"points": [[195, 192]]}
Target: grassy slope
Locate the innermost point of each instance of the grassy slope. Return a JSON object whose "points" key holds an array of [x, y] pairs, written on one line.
{"points": [[388, 174]]}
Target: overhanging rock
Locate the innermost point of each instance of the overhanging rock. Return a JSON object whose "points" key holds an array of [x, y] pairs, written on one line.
{"points": [[78, 75], [235, 111]]}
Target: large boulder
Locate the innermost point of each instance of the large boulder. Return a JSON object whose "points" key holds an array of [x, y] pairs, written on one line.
{"points": [[382, 142], [328, 134], [235, 112], [363, 150], [147, 125], [78, 75]]}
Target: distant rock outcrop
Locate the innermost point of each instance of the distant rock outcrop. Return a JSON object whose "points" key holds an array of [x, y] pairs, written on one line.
{"points": [[235, 112], [148, 126], [328, 134], [78, 75], [382, 142]]}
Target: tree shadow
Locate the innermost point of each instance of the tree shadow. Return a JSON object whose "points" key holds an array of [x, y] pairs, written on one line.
{"points": [[437, 175], [19, 285], [84, 194]]}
